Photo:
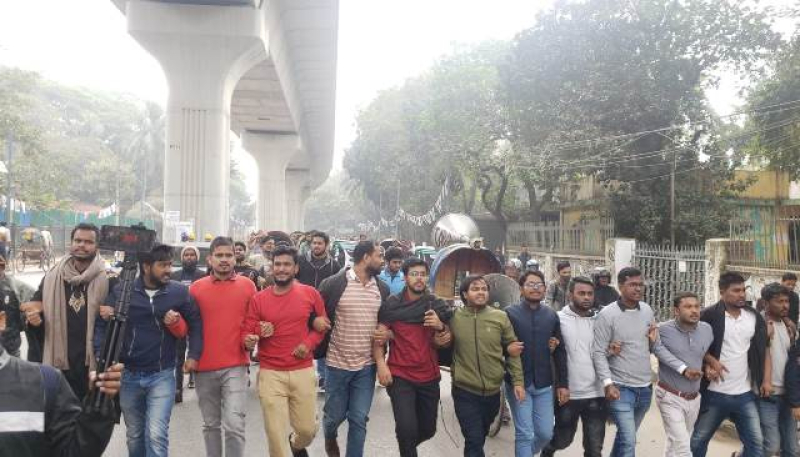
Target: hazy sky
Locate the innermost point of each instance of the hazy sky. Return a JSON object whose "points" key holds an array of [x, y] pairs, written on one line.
{"points": [[381, 43]]}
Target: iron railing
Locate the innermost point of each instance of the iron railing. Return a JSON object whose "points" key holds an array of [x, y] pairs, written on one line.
{"points": [[584, 239], [668, 270], [764, 239]]}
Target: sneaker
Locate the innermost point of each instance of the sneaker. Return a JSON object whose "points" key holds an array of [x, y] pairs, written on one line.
{"points": [[332, 448], [179, 396], [191, 384]]}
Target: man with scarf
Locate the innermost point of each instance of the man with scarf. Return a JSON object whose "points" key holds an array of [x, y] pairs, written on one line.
{"points": [[417, 321], [62, 312], [189, 273]]}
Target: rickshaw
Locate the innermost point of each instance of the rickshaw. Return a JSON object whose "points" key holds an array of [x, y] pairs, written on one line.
{"points": [[34, 246]]}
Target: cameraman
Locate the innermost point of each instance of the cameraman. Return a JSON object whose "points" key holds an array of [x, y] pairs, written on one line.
{"points": [[41, 417]]}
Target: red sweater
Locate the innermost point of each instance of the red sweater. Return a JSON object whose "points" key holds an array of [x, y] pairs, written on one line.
{"points": [[412, 355], [223, 307], [289, 314]]}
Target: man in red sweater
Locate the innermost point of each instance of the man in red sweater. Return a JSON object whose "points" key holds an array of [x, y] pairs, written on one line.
{"points": [[221, 379], [278, 321]]}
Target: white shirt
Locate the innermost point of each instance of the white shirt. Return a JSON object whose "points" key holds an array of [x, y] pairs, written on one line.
{"points": [[779, 352], [739, 331]]}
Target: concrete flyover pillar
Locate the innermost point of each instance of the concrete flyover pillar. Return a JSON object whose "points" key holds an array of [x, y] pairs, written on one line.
{"points": [[204, 51], [272, 152], [297, 192]]}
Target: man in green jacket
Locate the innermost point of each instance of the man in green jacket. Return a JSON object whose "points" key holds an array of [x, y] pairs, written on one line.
{"points": [[484, 344]]}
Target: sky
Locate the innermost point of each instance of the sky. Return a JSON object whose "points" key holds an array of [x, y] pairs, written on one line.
{"points": [[381, 43]]}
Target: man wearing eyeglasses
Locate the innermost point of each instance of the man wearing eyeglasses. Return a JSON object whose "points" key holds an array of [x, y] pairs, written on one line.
{"points": [[536, 324], [417, 321]]}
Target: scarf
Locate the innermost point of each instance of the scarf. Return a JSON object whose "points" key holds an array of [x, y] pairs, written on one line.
{"points": [[397, 309], [55, 308]]}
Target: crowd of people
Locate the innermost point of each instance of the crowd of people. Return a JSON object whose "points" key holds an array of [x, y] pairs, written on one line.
{"points": [[575, 350]]}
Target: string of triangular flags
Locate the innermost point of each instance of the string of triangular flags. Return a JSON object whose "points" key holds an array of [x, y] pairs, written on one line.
{"points": [[402, 215]]}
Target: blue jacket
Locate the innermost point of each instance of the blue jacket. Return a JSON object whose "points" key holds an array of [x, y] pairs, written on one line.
{"points": [[396, 283], [148, 345], [535, 328]]}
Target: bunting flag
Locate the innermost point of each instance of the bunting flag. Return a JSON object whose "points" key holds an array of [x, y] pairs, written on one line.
{"points": [[403, 216], [107, 211]]}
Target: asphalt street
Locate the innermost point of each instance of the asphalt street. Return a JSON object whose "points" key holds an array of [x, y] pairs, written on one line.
{"points": [[186, 439]]}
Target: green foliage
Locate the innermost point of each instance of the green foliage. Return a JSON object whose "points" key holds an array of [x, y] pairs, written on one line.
{"points": [[242, 207]]}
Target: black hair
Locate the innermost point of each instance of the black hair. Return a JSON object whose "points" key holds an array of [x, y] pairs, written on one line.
{"points": [[562, 264], [729, 278], [524, 276], [789, 276], [219, 242], [773, 290], [412, 262], [466, 282], [677, 299], [320, 234], [627, 272], [159, 253], [88, 227], [284, 249], [240, 243], [3, 224], [363, 249], [265, 238], [579, 280], [393, 253]]}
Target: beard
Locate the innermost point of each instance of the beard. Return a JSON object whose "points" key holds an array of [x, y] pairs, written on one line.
{"points": [[189, 266], [372, 271], [283, 282]]}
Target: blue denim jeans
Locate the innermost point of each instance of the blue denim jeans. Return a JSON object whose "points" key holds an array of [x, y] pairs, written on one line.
{"points": [[628, 413], [742, 409], [533, 419], [348, 395], [146, 399], [778, 427]]}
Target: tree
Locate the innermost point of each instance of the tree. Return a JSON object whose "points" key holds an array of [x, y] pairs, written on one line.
{"points": [[241, 204]]}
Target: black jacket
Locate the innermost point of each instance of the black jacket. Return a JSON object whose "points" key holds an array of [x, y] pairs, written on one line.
{"points": [[68, 430], [313, 276], [791, 379], [715, 316], [331, 290]]}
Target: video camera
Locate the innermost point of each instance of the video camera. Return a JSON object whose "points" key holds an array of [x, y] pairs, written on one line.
{"points": [[134, 239]]}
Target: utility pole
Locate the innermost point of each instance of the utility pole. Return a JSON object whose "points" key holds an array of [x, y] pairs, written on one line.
{"points": [[397, 220], [9, 180], [672, 200]]}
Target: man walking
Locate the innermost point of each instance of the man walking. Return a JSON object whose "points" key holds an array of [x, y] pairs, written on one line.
{"points": [[524, 255], [391, 275], [278, 322], [604, 292], [482, 336], [352, 300], [735, 364], [536, 325], [411, 374], [586, 401], [157, 308], [61, 315], [222, 376], [789, 281], [682, 344], [189, 273], [243, 267], [623, 335], [557, 290]]}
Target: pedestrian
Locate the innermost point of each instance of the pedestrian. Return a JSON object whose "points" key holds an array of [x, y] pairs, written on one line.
{"points": [[480, 359], [5, 238], [352, 300], [524, 255], [262, 260], [391, 275], [159, 310], [778, 425], [243, 266], [278, 322], [498, 253], [682, 344], [557, 290], [13, 292], [316, 266], [417, 321], [789, 281], [735, 365], [623, 334], [189, 273], [604, 292], [586, 399], [512, 269], [221, 371], [62, 312], [538, 328]]}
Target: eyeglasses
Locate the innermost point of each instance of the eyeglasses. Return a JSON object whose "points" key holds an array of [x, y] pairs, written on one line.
{"points": [[534, 285], [417, 274]]}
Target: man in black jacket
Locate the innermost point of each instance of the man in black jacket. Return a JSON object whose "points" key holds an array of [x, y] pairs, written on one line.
{"points": [[189, 273], [735, 366], [54, 423], [789, 281]]}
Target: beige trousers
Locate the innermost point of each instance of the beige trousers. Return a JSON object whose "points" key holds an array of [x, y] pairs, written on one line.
{"points": [[288, 399], [678, 415]]}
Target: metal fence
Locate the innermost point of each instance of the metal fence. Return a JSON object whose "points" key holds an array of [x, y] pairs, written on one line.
{"points": [[763, 239], [668, 270], [586, 239]]}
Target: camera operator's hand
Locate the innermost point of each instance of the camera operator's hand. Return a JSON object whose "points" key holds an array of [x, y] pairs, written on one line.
{"points": [[108, 382], [33, 312], [171, 318], [106, 312]]}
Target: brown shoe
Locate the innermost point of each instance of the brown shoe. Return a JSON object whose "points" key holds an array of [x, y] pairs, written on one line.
{"points": [[332, 448]]}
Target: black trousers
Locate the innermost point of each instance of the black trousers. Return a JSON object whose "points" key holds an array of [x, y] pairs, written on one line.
{"points": [[78, 380], [180, 358], [593, 413], [475, 414], [415, 408]]}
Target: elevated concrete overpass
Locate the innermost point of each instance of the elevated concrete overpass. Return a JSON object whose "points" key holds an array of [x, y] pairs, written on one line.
{"points": [[264, 69]]}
